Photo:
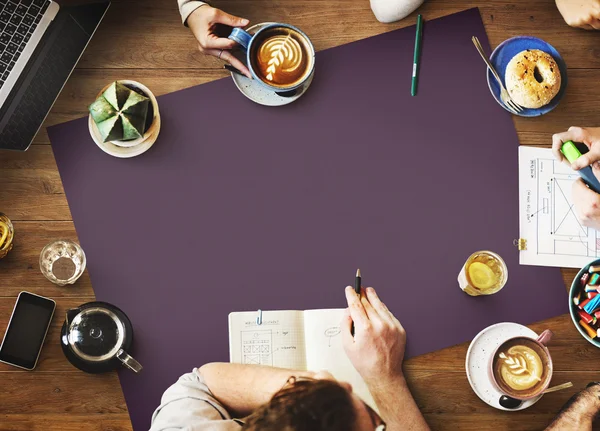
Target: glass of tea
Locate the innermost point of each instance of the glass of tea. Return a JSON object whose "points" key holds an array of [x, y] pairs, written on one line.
{"points": [[484, 273], [7, 233], [62, 262]]}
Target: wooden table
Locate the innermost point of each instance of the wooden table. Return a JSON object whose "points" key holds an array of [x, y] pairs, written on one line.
{"points": [[144, 40]]}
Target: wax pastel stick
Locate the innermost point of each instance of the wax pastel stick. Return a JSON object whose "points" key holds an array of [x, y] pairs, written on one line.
{"points": [[597, 314], [576, 298], [594, 268], [593, 305], [594, 279], [584, 279], [585, 317], [590, 295], [583, 303], [590, 288], [591, 331]]}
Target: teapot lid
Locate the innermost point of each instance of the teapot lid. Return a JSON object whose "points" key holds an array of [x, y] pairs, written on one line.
{"points": [[96, 334]]}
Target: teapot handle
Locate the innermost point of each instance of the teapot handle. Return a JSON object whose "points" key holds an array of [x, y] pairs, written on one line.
{"points": [[128, 361], [70, 315]]}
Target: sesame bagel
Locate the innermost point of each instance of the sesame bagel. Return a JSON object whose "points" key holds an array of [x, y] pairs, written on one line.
{"points": [[532, 78]]}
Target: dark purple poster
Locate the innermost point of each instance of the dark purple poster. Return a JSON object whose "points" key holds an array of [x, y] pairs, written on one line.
{"points": [[239, 206]]}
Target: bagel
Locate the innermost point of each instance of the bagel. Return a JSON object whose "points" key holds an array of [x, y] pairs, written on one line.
{"points": [[532, 78]]}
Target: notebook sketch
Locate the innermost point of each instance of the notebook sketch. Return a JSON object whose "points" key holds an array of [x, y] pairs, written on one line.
{"points": [[257, 347], [301, 340], [547, 217]]}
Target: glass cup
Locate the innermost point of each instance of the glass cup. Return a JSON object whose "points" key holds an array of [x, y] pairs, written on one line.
{"points": [[62, 262], [7, 234], [484, 273]]}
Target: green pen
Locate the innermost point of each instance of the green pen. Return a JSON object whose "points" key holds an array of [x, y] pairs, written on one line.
{"points": [[417, 56]]}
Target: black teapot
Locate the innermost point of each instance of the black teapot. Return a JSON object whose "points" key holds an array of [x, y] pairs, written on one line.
{"points": [[96, 337]]}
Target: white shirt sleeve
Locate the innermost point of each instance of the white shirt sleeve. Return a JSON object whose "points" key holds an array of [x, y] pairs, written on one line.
{"points": [[189, 405], [186, 7], [393, 10]]}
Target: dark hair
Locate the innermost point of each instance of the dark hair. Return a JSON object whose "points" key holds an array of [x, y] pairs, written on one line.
{"points": [[306, 405]]}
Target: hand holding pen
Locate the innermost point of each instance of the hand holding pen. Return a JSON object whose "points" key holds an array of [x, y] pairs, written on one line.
{"points": [[376, 349]]}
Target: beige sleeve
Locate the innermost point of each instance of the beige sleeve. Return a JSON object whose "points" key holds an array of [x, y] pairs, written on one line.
{"points": [[186, 7], [188, 405]]}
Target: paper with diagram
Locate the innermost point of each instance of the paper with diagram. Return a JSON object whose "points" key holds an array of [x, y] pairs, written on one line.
{"points": [[300, 340], [551, 234]]}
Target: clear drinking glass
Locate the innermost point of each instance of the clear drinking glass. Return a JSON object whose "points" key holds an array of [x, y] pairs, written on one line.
{"points": [[62, 262], [7, 234], [484, 273]]}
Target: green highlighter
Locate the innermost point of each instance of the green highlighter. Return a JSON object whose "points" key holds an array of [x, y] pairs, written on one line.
{"points": [[572, 153]]}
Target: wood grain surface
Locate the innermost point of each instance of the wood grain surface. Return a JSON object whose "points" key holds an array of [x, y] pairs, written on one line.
{"points": [[144, 40]]}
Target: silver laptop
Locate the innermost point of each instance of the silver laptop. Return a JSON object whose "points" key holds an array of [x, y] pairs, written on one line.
{"points": [[40, 44]]}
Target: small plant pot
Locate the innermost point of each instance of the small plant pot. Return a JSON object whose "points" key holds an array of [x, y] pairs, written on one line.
{"points": [[134, 147]]}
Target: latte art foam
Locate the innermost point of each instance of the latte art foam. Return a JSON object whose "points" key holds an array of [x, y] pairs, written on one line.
{"points": [[281, 58], [521, 368], [282, 54]]}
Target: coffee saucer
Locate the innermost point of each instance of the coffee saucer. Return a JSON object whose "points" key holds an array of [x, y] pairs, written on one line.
{"points": [[261, 95], [479, 355]]}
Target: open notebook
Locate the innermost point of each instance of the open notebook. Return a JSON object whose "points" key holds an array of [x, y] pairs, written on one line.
{"points": [[301, 340]]}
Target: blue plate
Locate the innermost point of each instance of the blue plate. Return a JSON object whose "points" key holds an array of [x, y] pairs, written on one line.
{"points": [[573, 308], [506, 51]]}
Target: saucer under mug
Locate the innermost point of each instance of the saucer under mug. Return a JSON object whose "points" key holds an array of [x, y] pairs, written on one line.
{"points": [[260, 94], [479, 355]]}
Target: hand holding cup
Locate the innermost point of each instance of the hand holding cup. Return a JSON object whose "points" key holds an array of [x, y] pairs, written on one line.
{"points": [[207, 24]]}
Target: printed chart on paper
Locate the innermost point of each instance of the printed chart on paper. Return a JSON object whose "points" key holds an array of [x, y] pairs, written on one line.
{"points": [[548, 220]]}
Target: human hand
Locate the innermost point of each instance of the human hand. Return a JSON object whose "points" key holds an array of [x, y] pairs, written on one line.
{"points": [[377, 348], [587, 204], [585, 200], [580, 13], [207, 24], [590, 136]]}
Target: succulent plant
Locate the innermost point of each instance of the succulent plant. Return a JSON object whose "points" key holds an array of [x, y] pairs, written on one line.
{"points": [[120, 113]]}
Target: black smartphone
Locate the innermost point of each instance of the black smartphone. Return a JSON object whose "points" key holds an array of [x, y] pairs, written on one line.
{"points": [[27, 329]]}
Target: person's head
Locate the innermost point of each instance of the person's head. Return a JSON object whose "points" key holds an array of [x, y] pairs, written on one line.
{"points": [[320, 404]]}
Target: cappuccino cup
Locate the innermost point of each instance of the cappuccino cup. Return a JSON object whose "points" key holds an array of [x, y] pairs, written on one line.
{"points": [[279, 56], [521, 367]]}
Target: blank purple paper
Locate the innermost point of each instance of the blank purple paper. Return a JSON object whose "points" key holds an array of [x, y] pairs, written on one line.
{"points": [[239, 206]]}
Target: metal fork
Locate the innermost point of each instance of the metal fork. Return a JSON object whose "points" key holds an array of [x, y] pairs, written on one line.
{"points": [[510, 104]]}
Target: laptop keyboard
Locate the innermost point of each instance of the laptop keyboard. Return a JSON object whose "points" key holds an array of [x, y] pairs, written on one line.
{"points": [[18, 20]]}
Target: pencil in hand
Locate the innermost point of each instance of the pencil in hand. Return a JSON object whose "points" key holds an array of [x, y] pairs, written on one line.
{"points": [[357, 285]]}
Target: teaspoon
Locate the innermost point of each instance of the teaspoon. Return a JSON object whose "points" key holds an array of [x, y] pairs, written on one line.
{"points": [[513, 403]]}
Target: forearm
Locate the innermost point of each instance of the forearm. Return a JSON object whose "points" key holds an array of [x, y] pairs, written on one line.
{"points": [[186, 7], [579, 412], [397, 405], [243, 388]]}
